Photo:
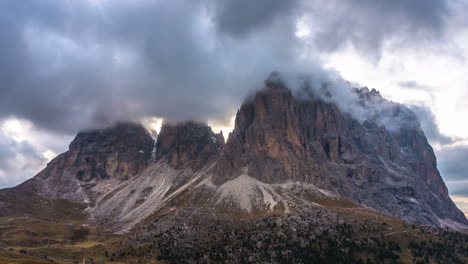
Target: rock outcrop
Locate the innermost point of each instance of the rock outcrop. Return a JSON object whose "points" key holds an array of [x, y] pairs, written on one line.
{"points": [[188, 144], [116, 153]]}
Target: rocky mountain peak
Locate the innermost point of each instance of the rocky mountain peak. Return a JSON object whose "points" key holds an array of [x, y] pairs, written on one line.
{"points": [[121, 133], [115, 153], [266, 136], [119, 151], [188, 144], [275, 82], [279, 139]]}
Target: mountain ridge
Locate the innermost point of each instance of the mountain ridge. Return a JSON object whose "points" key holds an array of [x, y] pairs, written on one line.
{"points": [[296, 161], [280, 143]]}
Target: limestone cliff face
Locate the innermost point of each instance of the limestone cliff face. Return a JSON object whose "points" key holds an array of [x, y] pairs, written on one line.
{"points": [[116, 153], [188, 144], [267, 141], [384, 162], [278, 138], [423, 161]]}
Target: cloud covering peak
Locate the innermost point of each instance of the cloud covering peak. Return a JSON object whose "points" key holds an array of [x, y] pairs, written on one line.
{"points": [[69, 65]]}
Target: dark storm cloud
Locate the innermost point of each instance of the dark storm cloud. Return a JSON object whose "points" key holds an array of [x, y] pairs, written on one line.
{"points": [[453, 162], [367, 24], [69, 65], [453, 165], [44, 72], [240, 17]]}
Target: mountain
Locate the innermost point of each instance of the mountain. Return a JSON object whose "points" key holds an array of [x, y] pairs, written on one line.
{"points": [[293, 162], [279, 139]]}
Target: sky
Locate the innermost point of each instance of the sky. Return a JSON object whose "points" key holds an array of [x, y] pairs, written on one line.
{"points": [[79, 64]]}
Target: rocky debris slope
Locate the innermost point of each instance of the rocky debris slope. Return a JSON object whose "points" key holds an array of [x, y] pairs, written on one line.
{"points": [[184, 153]]}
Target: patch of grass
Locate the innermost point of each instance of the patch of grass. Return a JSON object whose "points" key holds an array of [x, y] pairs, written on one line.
{"points": [[8, 257]]}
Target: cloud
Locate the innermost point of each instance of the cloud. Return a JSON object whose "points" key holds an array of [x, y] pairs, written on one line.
{"points": [[69, 65], [18, 161], [462, 103], [429, 126], [73, 65], [453, 163], [367, 26], [241, 17], [25, 150], [415, 86], [459, 187], [462, 203], [453, 166]]}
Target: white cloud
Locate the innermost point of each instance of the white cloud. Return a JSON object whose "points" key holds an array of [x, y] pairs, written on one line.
{"points": [[25, 150]]}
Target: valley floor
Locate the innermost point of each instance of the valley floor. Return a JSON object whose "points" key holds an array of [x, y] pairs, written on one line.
{"points": [[334, 231]]}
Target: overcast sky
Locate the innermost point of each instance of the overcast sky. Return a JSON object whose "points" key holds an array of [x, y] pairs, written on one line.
{"points": [[71, 65]]}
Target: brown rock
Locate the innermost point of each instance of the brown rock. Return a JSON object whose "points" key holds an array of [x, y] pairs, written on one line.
{"points": [[188, 144]]}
